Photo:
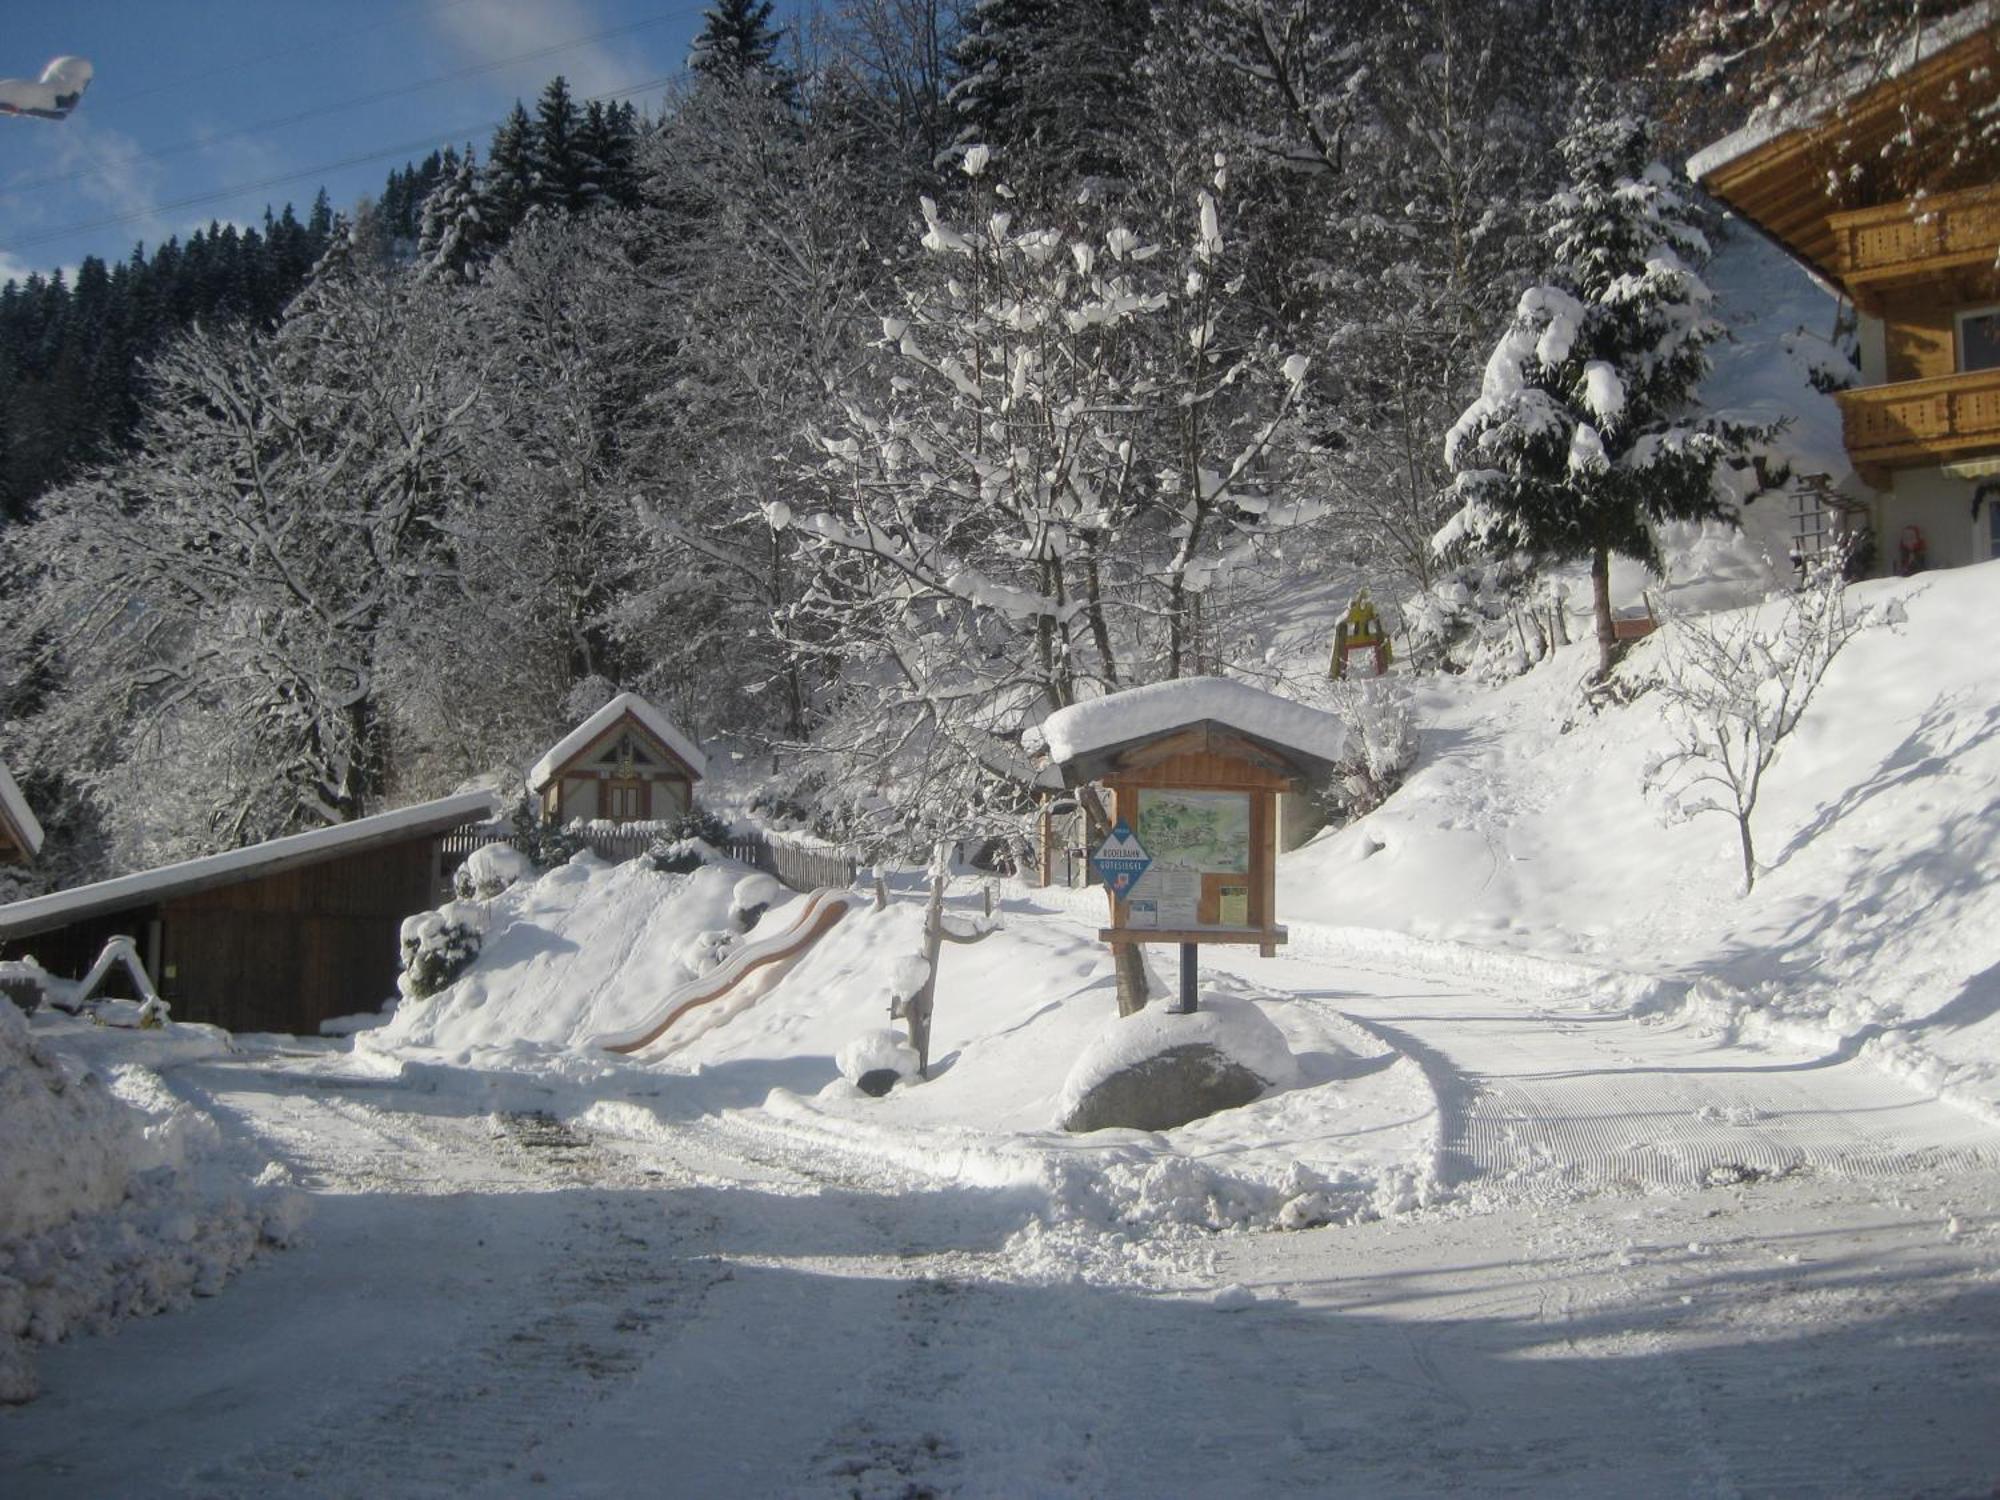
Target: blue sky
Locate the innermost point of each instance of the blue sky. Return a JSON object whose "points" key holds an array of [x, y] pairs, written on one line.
{"points": [[211, 109]]}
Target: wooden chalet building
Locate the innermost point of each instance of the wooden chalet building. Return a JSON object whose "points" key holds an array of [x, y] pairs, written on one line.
{"points": [[278, 936], [1911, 240], [20, 833], [626, 763]]}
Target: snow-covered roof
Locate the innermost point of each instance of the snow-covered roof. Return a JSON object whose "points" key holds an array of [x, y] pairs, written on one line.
{"points": [[1805, 112], [1089, 730], [598, 724], [151, 886], [19, 817]]}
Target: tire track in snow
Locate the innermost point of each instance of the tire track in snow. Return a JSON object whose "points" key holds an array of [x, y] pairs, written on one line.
{"points": [[619, 1275], [1536, 1100]]}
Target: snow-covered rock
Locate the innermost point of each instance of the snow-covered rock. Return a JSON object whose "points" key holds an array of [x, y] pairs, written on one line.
{"points": [[1161, 1069]]}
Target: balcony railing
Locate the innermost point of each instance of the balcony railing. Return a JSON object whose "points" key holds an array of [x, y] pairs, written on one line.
{"points": [[1918, 421], [1912, 240]]}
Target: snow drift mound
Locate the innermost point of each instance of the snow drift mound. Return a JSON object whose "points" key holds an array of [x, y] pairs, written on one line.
{"points": [[101, 1213], [587, 949]]}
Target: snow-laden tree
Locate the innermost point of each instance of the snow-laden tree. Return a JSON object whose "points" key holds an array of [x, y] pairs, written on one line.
{"points": [[219, 609], [737, 48], [1735, 687], [1064, 462], [452, 238], [749, 269], [1587, 433], [1048, 85], [541, 539]]}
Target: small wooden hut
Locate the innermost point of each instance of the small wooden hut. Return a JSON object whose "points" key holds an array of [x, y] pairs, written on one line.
{"points": [[626, 763]]}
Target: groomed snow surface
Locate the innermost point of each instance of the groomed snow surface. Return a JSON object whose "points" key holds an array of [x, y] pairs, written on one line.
{"points": [[1586, 1174]]}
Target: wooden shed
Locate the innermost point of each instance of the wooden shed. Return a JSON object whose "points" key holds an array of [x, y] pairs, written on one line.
{"points": [[626, 763], [20, 833], [278, 936]]}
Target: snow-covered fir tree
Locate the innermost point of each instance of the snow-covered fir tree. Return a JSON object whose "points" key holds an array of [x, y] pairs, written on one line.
{"points": [[738, 46], [1587, 433], [452, 238]]}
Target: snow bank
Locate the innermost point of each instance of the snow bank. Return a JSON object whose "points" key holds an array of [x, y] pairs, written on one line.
{"points": [[1524, 850], [110, 1205]]}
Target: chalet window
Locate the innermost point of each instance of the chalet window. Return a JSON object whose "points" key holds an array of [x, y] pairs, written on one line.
{"points": [[1979, 339]]}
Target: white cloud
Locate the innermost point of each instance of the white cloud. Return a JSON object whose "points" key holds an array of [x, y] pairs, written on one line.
{"points": [[485, 31]]}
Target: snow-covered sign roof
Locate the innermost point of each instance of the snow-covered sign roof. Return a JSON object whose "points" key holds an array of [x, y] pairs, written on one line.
{"points": [[594, 728], [169, 881], [17, 815], [1087, 736], [1803, 113]]}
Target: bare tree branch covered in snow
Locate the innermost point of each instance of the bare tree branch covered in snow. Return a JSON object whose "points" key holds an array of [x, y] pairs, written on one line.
{"points": [[1736, 686], [1072, 452]]}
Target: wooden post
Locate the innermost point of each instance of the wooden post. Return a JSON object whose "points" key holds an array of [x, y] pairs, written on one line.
{"points": [[1190, 989]]}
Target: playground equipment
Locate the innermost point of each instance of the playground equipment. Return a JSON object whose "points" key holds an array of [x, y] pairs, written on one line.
{"points": [[1360, 634], [821, 911]]}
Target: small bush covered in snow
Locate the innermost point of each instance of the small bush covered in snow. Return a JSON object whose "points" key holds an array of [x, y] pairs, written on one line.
{"points": [[489, 870], [883, 1051], [438, 946], [680, 856], [547, 844], [1380, 747]]}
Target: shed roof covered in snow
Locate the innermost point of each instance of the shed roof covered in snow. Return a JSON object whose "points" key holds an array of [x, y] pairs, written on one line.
{"points": [[1088, 740], [626, 706], [169, 882], [17, 820]]}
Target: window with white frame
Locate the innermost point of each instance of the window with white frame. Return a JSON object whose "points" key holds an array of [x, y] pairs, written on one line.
{"points": [[1979, 338]]}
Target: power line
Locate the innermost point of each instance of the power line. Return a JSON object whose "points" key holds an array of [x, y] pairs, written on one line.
{"points": [[338, 106], [239, 65], [197, 200]]}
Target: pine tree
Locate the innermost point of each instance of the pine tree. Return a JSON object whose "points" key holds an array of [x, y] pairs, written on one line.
{"points": [[507, 186], [451, 239], [555, 157], [1587, 433], [738, 47], [1048, 84]]}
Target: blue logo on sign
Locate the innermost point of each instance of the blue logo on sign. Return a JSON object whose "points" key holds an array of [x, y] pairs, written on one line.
{"points": [[1120, 860]]}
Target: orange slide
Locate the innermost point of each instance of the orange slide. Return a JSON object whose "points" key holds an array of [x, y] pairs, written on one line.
{"points": [[823, 908]]}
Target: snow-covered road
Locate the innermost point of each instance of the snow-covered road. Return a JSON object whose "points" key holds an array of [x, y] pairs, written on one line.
{"points": [[1549, 1097], [503, 1304]]}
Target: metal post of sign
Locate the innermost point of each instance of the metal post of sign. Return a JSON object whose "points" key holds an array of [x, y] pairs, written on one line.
{"points": [[1190, 999]]}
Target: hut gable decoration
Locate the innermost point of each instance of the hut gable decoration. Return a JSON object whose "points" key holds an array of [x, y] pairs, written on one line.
{"points": [[1195, 768], [626, 763], [20, 833]]}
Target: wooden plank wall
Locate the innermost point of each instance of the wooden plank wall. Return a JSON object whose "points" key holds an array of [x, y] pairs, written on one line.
{"points": [[287, 951]]}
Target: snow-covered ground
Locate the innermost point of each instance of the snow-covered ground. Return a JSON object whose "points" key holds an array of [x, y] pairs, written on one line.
{"points": [[1583, 1174]]}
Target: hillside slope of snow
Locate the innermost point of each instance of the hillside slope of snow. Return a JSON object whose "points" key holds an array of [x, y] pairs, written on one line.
{"points": [[1876, 915]]}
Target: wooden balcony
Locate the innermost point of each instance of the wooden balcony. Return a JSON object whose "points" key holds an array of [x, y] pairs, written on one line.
{"points": [[1916, 241], [1921, 421]]}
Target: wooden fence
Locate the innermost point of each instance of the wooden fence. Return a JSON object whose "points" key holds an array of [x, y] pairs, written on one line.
{"points": [[799, 868]]}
